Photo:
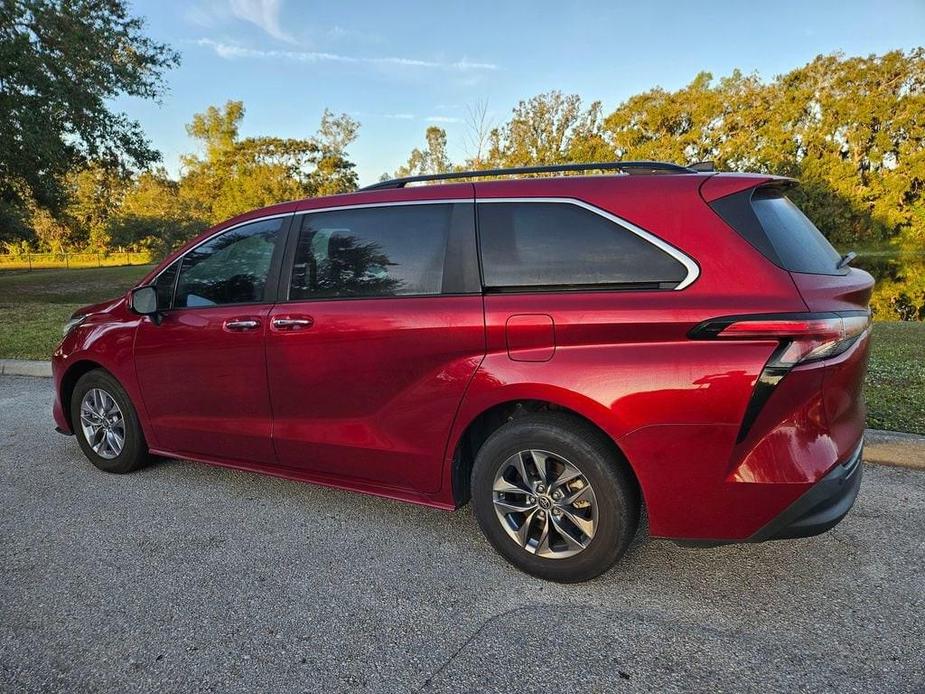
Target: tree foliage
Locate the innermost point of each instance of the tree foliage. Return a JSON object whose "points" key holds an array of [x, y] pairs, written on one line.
{"points": [[61, 64], [234, 174], [433, 159], [550, 128]]}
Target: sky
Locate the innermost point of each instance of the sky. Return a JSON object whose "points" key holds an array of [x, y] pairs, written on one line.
{"points": [[398, 67]]}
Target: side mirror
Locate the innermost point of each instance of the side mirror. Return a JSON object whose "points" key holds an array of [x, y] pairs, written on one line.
{"points": [[144, 302]]}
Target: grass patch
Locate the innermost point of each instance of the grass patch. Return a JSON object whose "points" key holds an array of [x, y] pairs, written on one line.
{"points": [[32, 330], [895, 387], [89, 286], [34, 305]]}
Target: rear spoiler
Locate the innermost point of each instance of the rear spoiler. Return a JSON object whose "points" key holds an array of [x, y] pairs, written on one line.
{"points": [[721, 185]]}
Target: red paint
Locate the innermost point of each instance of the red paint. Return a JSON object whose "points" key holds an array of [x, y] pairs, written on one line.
{"points": [[375, 394]]}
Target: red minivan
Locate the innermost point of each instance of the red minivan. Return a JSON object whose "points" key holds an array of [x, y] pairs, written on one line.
{"points": [[561, 350]]}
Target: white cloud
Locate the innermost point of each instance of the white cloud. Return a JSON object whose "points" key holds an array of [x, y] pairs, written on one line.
{"points": [[230, 51], [263, 13], [443, 119]]}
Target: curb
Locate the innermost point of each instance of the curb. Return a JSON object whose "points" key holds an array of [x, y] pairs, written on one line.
{"points": [[891, 448], [894, 448], [25, 367]]}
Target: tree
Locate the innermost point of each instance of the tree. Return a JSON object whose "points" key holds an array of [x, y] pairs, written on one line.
{"points": [[235, 175], [95, 193], [154, 216], [550, 128], [334, 172], [61, 64], [431, 160], [478, 134], [850, 129]]}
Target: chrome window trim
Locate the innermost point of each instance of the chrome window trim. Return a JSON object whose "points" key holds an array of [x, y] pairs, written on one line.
{"points": [[395, 203], [693, 269]]}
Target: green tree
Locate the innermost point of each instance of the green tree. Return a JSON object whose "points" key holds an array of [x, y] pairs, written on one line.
{"points": [[551, 128], [851, 129], [61, 65], [95, 193], [433, 159], [234, 175], [334, 172], [154, 215]]}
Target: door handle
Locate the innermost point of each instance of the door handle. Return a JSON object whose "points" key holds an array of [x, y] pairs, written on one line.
{"points": [[293, 323], [241, 324]]}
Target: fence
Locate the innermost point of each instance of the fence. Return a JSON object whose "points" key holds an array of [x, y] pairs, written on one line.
{"points": [[42, 261]]}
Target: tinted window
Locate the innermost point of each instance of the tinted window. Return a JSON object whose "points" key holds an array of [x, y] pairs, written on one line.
{"points": [[374, 251], [800, 246], [555, 244], [164, 285], [231, 268]]}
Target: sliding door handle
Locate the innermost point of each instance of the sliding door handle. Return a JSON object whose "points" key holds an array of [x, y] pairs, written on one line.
{"points": [[241, 324], [293, 322]]}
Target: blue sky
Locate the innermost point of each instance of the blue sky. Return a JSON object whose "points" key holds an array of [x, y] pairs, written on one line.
{"points": [[399, 67]]}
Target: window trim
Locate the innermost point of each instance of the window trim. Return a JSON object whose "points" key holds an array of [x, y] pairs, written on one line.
{"points": [[283, 270], [693, 269], [272, 276]]}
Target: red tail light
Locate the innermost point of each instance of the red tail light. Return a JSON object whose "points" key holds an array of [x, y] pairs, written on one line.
{"points": [[803, 337]]}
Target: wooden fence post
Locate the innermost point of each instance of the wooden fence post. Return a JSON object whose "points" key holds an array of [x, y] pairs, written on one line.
{"points": [[29, 257], [66, 265]]}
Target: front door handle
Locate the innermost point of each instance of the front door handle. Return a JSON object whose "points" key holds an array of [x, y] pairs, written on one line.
{"points": [[293, 322], [241, 324]]}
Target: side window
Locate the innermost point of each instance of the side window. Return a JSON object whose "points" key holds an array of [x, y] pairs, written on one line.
{"points": [[559, 244], [372, 252], [231, 268], [164, 285]]}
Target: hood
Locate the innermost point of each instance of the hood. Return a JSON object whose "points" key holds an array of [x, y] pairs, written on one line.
{"points": [[102, 307]]}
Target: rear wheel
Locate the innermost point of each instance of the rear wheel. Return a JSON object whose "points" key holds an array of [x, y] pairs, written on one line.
{"points": [[106, 424], [552, 495]]}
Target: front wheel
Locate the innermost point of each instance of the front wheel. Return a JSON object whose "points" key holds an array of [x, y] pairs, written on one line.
{"points": [[106, 424], [552, 495]]}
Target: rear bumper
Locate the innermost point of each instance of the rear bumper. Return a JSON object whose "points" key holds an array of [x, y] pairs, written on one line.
{"points": [[820, 508]]}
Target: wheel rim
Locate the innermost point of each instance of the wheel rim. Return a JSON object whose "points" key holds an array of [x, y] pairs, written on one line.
{"points": [[102, 423], [545, 504]]}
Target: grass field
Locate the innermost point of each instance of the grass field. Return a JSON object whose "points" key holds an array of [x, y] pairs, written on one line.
{"points": [[34, 306], [895, 388]]}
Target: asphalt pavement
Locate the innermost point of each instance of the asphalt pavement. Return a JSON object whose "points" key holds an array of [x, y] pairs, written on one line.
{"points": [[184, 577]]}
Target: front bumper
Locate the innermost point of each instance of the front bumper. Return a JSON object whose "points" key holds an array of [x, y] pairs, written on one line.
{"points": [[822, 507]]}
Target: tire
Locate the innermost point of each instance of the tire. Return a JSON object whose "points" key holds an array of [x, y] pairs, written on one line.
{"points": [[562, 444], [133, 452]]}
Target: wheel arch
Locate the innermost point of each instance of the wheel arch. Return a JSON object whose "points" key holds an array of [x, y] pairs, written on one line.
{"points": [[480, 424], [69, 380]]}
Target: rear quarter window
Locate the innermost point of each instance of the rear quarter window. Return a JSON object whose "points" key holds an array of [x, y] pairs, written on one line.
{"points": [[800, 246], [772, 223], [551, 244]]}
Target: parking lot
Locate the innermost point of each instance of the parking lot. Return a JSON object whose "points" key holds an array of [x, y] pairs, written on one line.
{"points": [[186, 577]]}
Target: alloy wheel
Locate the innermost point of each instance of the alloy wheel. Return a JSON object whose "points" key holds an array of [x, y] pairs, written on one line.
{"points": [[102, 423], [545, 504]]}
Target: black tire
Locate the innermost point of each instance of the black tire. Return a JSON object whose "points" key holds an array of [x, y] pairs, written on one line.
{"points": [[585, 447], [134, 453]]}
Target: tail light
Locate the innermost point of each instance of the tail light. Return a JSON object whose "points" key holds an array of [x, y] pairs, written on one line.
{"points": [[803, 338]]}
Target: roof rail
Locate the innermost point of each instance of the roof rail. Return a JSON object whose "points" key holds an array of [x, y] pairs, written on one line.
{"points": [[629, 167]]}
